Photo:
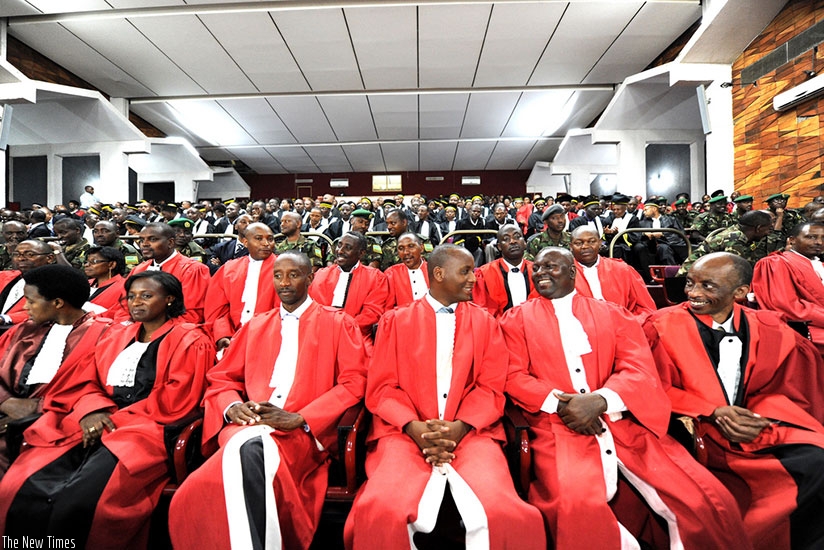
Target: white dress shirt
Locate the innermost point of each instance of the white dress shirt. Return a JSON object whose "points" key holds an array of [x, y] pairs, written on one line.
{"points": [[591, 275], [444, 348], [250, 290], [516, 282], [283, 371], [729, 359]]}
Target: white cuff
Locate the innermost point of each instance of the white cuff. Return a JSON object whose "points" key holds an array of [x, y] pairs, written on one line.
{"points": [[226, 410], [550, 405], [615, 405]]}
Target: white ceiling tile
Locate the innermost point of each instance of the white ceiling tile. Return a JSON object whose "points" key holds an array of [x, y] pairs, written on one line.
{"points": [[487, 114], [507, 60], [450, 39], [509, 154], [329, 159], [365, 158], [386, 45], [538, 112], [259, 119], [293, 159], [161, 116], [437, 156], [188, 43], [442, 115], [350, 117], [396, 117], [212, 155], [585, 33], [473, 155], [543, 151], [12, 8], [58, 6], [320, 43], [259, 50], [211, 122], [400, 157], [259, 160], [304, 118]]}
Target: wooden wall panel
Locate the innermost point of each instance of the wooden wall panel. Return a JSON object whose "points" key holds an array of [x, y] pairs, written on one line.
{"points": [[779, 152]]}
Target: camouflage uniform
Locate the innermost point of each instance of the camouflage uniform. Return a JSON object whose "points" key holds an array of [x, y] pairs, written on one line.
{"points": [[76, 253], [373, 253], [542, 240], [390, 251], [708, 222], [307, 246], [684, 217], [5, 259], [731, 240], [791, 219], [195, 251], [131, 254]]}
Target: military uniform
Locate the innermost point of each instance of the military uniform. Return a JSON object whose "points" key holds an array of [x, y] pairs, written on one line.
{"points": [[307, 246], [708, 222], [731, 240], [684, 217], [374, 251], [76, 253], [130, 253], [791, 219], [542, 240], [195, 252], [390, 251]]}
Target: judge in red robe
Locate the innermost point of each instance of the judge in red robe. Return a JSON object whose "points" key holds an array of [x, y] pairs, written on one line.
{"points": [[445, 399], [600, 416], [273, 405], [760, 414], [27, 256], [409, 280], [231, 299], [791, 282], [105, 267], [507, 281], [157, 246], [606, 278], [95, 464], [360, 290], [58, 335]]}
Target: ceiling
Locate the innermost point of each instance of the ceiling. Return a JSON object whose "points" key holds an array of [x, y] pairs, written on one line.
{"points": [[303, 86]]}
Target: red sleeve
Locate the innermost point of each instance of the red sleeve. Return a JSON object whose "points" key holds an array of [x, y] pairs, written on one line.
{"points": [[528, 391], [216, 306], [375, 303], [773, 283], [195, 281]]}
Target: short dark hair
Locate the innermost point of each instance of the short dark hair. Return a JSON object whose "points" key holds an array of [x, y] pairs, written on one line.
{"points": [[73, 223], [754, 218], [59, 281], [170, 284], [742, 268], [165, 230], [358, 237], [297, 256], [37, 216], [110, 254], [440, 256], [796, 231]]}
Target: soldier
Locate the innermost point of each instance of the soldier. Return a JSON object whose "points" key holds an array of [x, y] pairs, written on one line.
{"points": [[105, 234], [74, 246], [13, 233], [290, 227], [716, 218], [684, 216], [745, 239], [785, 218], [359, 222], [553, 235], [184, 228], [743, 204], [397, 224]]}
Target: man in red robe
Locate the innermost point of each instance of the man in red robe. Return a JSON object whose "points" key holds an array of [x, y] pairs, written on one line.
{"points": [[273, 406], [507, 281], [583, 372], [790, 282], [242, 287], [606, 278], [753, 390], [27, 256], [408, 280], [157, 246], [360, 290], [436, 429]]}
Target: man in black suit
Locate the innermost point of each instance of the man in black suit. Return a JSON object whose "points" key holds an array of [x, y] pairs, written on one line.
{"points": [[38, 226], [665, 248], [426, 227], [230, 249], [343, 223], [471, 241]]}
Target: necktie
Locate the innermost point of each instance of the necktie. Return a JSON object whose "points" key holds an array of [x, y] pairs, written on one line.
{"points": [[446, 310]]}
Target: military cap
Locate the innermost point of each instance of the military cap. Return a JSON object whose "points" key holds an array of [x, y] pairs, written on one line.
{"points": [[679, 202], [185, 223], [554, 209], [362, 213], [135, 220], [718, 198], [777, 196], [743, 198]]}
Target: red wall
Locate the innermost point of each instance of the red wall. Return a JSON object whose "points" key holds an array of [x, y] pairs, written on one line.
{"points": [[493, 182]]}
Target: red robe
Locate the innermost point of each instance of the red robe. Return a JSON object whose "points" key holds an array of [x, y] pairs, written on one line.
{"points": [[15, 312], [400, 289], [491, 289], [620, 284], [783, 380], [122, 514], [569, 488], [20, 343], [786, 282], [330, 377], [224, 303], [193, 276], [402, 387], [108, 294], [367, 296]]}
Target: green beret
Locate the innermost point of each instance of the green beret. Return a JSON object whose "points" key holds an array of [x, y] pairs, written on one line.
{"points": [[743, 198], [185, 223], [777, 196], [679, 202], [362, 213], [719, 198]]}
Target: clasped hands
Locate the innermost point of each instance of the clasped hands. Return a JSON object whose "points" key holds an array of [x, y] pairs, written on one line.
{"points": [[738, 424], [581, 412], [437, 438], [252, 412]]}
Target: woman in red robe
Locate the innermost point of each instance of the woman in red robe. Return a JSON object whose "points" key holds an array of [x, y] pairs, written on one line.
{"points": [[95, 463], [105, 266]]}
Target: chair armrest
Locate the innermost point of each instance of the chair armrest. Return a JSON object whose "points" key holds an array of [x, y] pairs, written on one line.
{"points": [[352, 429], [183, 445], [519, 452], [14, 434], [686, 430]]}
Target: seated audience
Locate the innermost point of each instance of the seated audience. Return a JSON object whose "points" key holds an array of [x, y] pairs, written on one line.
{"points": [[408, 280], [745, 239], [105, 234], [72, 246], [507, 281], [26, 256], [105, 268]]}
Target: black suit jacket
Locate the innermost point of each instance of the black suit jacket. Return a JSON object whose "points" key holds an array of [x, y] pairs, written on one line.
{"points": [[225, 251]]}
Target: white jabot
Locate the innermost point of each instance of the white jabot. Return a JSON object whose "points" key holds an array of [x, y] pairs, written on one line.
{"points": [[339, 296], [815, 262], [591, 275], [729, 359], [159, 266], [14, 296], [418, 283], [444, 348], [250, 290], [50, 356], [516, 283], [656, 223], [123, 369], [283, 372]]}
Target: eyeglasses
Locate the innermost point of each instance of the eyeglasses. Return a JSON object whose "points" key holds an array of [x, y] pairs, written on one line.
{"points": [[29, 255], [95, 262]]}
